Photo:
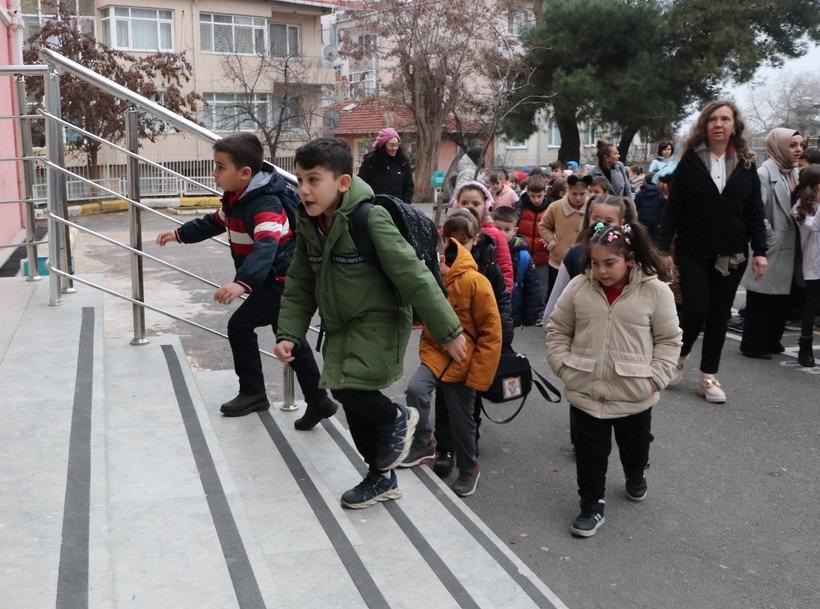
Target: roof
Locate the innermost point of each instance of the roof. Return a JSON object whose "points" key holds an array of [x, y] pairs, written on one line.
{"points": [[369, 116]]}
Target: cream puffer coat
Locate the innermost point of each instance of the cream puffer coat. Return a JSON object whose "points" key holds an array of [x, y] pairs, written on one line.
{"points": [[614, 360]]}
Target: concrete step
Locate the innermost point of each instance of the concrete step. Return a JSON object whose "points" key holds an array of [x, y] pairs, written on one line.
{"points": [[128, 488]]}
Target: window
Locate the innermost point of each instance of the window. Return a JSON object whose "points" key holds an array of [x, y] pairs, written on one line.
{"points": [[284, 40], [246, 111], [512, 144], [37, 13], [553, 135], [516, 22], [368, 45], [137, 29], [362, 84], [588, 135], [231, 34]]}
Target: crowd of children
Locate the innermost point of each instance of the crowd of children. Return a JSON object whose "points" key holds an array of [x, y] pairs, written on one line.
{"points": [[558, 250]]}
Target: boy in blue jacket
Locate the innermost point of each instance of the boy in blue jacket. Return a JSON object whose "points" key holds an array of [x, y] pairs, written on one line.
{"points": [[526, 297], [366, 312], [262, 242]]}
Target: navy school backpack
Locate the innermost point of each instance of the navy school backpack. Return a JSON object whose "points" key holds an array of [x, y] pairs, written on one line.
{"points": [[416, 228]]}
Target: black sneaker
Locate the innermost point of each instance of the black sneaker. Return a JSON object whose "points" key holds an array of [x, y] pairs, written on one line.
{"points": [[636, 487], [245, 404], [467, 481], [589, 520], [394, 439], [372, 489], [315, 413], [444, 463]]}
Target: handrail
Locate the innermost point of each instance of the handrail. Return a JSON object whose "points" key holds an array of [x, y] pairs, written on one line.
{"points": [[25, 70], [112, 241], [143, 304], [117, 90], [122, 197], [125, 151]]}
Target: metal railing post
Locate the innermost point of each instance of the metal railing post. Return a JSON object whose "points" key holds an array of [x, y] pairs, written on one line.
{"points": [[135, 226], [54, 142], [288, 400], [28, 180]]}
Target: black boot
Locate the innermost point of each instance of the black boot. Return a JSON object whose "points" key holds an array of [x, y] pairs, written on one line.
{"points": [[805, 357]]}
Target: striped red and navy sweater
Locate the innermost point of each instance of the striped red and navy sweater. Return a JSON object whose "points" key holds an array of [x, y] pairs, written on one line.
{"points": [[261, 236]]}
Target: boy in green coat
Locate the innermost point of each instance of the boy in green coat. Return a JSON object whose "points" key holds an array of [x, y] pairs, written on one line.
{"points": [[366, 315]]}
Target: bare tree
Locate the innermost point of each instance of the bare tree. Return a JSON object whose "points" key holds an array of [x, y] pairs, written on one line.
{"points": [[437, 49], [277, 96], [791, 100], [159, 76]]}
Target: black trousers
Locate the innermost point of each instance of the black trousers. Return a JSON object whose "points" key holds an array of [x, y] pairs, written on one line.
{"points": [[259, 309], [707, 305], [365, 411], [764, 321], [593, 443], [810, 307]]}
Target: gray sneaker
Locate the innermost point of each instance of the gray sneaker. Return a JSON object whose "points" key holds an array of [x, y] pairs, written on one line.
{"points": [[467, 481], [394, 439], [420, 454]]}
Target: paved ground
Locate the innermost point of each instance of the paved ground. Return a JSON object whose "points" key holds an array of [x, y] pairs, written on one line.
{"points": [[730, 519]]}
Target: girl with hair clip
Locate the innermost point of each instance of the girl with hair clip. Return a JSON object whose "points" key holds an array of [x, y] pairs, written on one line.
{"points": [[713, 212], [806, 198], [613, 340], [602, 211]]}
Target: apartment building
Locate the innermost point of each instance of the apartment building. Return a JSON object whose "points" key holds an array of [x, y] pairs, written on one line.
{"points": [[211, 33]]}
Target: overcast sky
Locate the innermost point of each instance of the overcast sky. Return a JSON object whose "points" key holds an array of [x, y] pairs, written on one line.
{"points": [[808, 63]]}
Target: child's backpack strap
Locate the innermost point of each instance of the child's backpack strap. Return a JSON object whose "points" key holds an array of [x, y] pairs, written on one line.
{"points": [[359, 232]]}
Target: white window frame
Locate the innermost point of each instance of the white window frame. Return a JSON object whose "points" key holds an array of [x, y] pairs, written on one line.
{"points": [[589, 135], [225, 112], [237, 24], [118, 22], [553, 135], [513, 144], [362, 84], [290, 30], [35, 21]]}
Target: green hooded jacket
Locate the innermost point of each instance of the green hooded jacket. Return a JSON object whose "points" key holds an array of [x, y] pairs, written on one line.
{"points": [[366, 316]]}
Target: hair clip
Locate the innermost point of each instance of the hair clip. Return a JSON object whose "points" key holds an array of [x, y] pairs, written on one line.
{"points": [[618, 233], [599, 226], [627, 228]]}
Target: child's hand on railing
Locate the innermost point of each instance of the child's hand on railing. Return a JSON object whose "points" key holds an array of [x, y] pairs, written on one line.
{"points": [[165, 237], [229, 292]]}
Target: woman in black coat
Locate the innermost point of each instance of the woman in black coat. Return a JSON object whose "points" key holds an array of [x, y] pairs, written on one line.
{"points": [[387, 169], [714, 211]]}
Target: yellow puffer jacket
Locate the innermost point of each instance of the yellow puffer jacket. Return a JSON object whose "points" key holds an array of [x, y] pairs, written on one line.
{"points": [[472, 298]]}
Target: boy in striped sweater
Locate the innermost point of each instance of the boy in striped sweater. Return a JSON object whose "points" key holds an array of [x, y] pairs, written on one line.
{"points": [[256, 216]]}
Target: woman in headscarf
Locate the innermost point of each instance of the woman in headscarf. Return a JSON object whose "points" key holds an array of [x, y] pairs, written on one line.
{"points": [[767, 299], [387, 169], [714, 211]]}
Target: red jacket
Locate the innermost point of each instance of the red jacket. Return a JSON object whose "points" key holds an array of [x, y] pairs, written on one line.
{"points": [[528, 228]]}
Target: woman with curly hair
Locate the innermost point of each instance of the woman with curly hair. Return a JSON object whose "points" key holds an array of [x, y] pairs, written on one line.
{"points": [[713, 213]]}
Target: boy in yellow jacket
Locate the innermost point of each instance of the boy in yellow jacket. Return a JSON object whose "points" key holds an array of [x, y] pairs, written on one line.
{"points": [[473, 300]]}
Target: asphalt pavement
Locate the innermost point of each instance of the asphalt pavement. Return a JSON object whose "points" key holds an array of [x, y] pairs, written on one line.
{"points": [[729, 521]]}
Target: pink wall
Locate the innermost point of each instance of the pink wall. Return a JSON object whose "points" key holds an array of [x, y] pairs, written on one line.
{"points": [[10, 215]]}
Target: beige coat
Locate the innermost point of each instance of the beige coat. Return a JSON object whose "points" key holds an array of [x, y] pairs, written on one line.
{"points": [[614, 360], [559, 228]]}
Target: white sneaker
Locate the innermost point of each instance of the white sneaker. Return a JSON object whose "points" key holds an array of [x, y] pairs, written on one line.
{"points": [[709, 388], [677, 373]]}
